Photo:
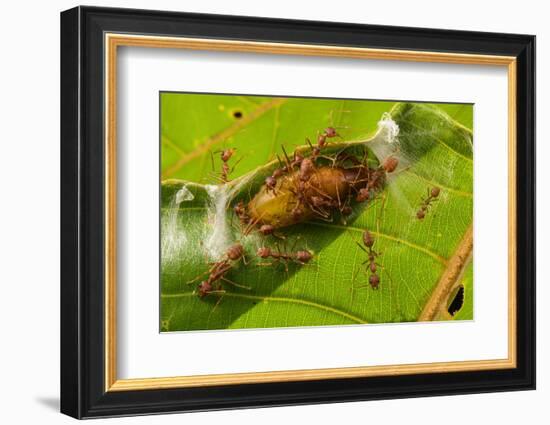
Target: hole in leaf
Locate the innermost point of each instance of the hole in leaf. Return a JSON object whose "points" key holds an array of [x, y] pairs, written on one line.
{"points": [[457, 301], [237, 115]]}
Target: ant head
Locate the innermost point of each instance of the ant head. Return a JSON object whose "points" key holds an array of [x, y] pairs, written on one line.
{"points": [[239, 207], [330, 132], [205, 288], [235, 252], [226, 154], [368, 239], [390, 164], [346, 211], [298, 157], [278, 172], [270, 182], [363, 195]]}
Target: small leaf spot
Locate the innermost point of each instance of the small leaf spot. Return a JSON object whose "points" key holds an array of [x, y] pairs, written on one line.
{"points": [[237, 115], [457, 302]]}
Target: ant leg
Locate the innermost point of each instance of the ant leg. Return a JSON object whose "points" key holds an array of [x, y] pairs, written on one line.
{"points": [[293, 247], [331, 117], [220, 292], [322, 214], [353, 287], [287, 160], [197, 278], [392, 290], [330, 159], [235, 164], [280, 260], [252, 224], [267, 264], [362, 247], [216, 177], [338, 197], [286, 266], [381, 212], [278, 236], [320, 192], [209, 271], [238, 285], [212, 159]]}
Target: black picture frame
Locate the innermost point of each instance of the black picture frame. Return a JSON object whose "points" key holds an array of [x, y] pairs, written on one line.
{"points": [[83, 392]]}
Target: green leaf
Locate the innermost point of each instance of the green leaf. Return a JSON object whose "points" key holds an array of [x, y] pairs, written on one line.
{"points": [[435, 150], [194, 125]]}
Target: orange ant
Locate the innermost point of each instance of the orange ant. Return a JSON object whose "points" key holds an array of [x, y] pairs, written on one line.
{"points": [[218, 271], [368, 241], [225, 156], [271, 181], [328, 133], [390, 164], [372, 266], [301, 257], [433, 193], [241, 213]]}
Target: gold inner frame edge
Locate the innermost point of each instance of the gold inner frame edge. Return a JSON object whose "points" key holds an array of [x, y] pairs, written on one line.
{"points": [[112, 41]]}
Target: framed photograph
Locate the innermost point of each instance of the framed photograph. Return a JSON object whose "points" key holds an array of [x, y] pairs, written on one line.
{"points": [[261, 212]]}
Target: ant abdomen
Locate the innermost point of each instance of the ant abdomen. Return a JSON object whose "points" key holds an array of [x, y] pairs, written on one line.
{"points": [[304, 256], [374, 281]]}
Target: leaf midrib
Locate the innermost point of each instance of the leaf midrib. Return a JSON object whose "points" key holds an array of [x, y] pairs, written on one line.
{"points": [[223, 135]]}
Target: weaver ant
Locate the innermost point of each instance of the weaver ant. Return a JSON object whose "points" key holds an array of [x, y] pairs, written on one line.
{"points": [[328, 133], [433, 193], [301, 257], [225, 156], [368, 241], [241, 213], [219, 269]]}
